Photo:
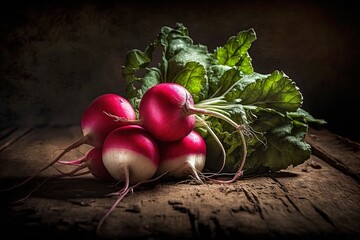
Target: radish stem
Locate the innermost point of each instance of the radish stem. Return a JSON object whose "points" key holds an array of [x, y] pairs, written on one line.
{"points": [[68, 174], [192, 110], [76, 144]]}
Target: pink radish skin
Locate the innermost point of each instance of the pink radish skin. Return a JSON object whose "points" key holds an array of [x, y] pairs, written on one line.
{"points": [[162, 112], [165, 111], [93, 161], [183, 157], [168, 113], [95, 125], [130, 155]]}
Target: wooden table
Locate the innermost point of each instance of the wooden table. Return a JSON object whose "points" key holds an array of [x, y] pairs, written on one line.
{"points": [[319, 198]]}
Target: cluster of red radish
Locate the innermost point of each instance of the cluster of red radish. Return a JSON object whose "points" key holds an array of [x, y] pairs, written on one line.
{"points": [[133, 151]]}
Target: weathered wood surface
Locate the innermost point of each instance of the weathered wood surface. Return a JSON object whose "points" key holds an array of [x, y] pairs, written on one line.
{"points": [[339, 152], [312, 200]]}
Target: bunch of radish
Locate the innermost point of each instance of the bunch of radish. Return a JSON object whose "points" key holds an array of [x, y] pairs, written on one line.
{"points": [[134, 151]]}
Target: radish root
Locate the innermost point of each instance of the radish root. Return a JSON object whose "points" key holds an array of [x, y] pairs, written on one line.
{"points": [[76, 144], [122, 194]]}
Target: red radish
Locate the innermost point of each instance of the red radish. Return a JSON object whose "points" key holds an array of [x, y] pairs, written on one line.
{"points": [[183, 157], [163, 112], [95, 125], [131, 155], [167, 112], [93, 161]]}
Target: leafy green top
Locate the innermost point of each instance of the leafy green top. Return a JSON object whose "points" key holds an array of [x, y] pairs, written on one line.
{"points": [[268, 105]]}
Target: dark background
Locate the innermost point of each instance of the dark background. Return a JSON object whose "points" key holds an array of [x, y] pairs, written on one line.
{"points": [[56, 56]]}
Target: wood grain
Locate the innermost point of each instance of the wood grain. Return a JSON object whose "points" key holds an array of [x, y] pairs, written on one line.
{"points": [[311, 200], [341, 153]]}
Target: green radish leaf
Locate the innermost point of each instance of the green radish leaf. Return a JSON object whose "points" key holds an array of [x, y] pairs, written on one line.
{"points": [[235, 51], [277, 91], [227, 80], [305, 117], [193, 78], [267, 106], [136, 61], [283, 149]]}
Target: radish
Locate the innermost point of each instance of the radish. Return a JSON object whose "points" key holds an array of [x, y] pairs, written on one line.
{"points": [[93, 161], [167, 112], [183, 157], [130, 155], [163, 110], [95, 125]]}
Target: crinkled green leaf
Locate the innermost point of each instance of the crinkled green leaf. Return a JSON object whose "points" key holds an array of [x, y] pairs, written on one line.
{"points": [[179, 50], [192, 53], [280, 153], [305, 117], [285, 143], [214, 73], [174, 39], [244, 81], [266, 119], [276, 91], [136, 61], [235, 51], [136, 89], [281, 145], [193, 78], [227, 80], [178, 62]]}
